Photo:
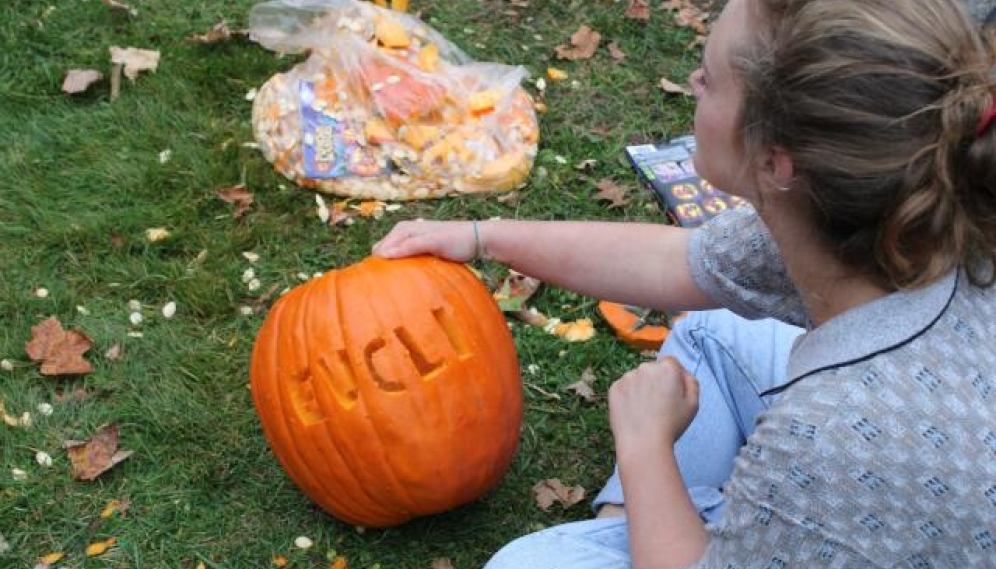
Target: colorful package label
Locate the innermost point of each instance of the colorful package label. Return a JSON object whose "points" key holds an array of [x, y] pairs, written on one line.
{"points": [[332, 147]]}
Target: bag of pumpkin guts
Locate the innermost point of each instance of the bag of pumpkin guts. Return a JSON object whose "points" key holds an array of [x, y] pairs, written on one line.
{"points": [[384, 107]]}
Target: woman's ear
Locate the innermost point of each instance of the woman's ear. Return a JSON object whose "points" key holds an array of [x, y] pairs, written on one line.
{"points": [[778, 169]]}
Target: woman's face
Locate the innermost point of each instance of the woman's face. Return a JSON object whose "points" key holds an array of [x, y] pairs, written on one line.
{"points": [[719, 157]]}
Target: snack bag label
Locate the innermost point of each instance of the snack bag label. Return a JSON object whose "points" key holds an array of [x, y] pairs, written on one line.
{"points": [[331, 147]]}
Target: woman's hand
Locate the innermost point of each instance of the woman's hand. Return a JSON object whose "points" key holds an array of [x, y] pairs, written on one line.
{"points": [[458, 241], [652, 405]]}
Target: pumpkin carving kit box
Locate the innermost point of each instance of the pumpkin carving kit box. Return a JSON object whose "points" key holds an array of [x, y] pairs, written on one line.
{"points": [[667, 169], [389, 389]]}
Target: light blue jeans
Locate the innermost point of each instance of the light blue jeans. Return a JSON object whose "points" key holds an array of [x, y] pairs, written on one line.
{"points": [[734, 360]]}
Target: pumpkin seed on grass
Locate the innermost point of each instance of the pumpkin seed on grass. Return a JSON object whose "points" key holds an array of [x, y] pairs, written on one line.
{"points": [[81, 182]]}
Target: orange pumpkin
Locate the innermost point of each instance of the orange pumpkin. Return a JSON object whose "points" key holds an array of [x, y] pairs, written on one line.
{"points": [[630, 324], [389, 389]]}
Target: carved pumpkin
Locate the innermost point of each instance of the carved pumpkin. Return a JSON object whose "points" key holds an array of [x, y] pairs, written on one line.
{"points": [[636, 326], [389, 389]]}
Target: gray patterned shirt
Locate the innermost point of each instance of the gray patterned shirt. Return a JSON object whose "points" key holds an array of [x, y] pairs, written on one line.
{"points": [[881, 450]]}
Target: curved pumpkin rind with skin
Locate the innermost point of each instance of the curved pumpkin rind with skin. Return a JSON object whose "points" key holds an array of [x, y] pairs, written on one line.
{"points": [[389, 389], [625, 325]]}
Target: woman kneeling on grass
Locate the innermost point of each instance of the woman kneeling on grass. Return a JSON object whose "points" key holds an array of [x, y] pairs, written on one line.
{"points": [[862, 132]]}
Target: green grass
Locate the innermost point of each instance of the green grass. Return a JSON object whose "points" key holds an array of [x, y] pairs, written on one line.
{"points": [[80, 182]]}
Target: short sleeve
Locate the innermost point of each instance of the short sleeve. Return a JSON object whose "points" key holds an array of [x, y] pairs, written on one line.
{"points": [[735, 261]]}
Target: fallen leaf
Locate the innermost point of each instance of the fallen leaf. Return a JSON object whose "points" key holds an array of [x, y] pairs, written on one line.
{"points": [[616, 53], [50, 558], [689, 15], [580, 330], [339, 562], [515, 290], [134, 60], [693, 17], [113, 353], [612, 192], [584, 44], [92, 458], [117, 5], [638, 10], [442, 563], [100, 547], [218, 33], [552, 490], [670, 87], [79, 80], [60, 352], [583, 387], [238, 195], [113, 507]]}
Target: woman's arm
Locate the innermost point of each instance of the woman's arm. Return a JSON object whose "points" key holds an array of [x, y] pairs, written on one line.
{"points": [[649, 409], [642, 264]]}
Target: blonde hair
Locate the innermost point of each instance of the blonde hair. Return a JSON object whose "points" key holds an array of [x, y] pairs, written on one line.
{"points": [[877, 102]]}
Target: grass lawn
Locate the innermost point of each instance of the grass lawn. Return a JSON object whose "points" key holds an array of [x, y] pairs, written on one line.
{"points": [[80, 183]]}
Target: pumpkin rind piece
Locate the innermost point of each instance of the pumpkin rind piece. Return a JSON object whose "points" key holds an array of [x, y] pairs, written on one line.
{"points": [[626, 326]]}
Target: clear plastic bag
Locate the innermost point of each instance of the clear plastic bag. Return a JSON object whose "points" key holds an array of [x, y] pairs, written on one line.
{"points": [[385, 107]]}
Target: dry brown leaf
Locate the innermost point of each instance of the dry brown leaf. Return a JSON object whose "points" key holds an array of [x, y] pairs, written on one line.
{"points": [[638, 10], [583, 387], [218, 33], [60, 352], [442, 563], [92, 458], [113, 353], [134, 60], [584, 44], [239, 196], [671, 87], [515, 290], [615, 52], [612, 192], [580, 330], [79, 80], [552, 490], [117, 5], [693, 17]]}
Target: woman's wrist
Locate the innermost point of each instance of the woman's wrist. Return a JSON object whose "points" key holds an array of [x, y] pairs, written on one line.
{"points": [[638, 449]]}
